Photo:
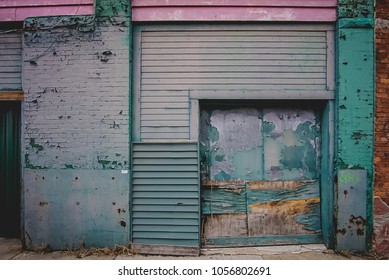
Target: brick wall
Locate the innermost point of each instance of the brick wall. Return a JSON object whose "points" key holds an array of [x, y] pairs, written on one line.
{"points": [[381, 160], [76, 79]]}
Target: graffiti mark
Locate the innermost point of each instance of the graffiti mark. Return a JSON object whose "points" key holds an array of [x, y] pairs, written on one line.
{"points": [[347, 178]]}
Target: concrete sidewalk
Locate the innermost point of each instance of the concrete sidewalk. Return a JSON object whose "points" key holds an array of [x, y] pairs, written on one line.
{"points": [[11, 249]]}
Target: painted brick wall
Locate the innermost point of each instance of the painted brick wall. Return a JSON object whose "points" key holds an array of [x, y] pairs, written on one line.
{"points": [[381, 156], [76, 79]]}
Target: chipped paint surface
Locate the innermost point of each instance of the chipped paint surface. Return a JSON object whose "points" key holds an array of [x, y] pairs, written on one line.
{"points": [[261, 164], [230, 157], [65, 208], [291, 138], [351, 213], [355, 105]]}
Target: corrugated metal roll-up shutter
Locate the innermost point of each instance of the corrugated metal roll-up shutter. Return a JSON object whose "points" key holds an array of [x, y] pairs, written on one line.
{"points": [[179, 63], [10, 61], [10, 169], [165, 198]]}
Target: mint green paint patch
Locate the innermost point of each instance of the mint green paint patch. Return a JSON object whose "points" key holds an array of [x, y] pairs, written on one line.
{"points": [[213, 134], [29, 165], [35, 146], [292, 157], [267, 128], [222, 176], [218, 155], [247, 165]]}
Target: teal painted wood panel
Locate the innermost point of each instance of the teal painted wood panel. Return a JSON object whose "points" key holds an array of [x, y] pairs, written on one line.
{"points": [[265, 240], [165, 194], [10, 61]]}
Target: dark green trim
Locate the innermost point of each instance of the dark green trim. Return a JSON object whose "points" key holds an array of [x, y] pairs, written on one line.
{"points": [[265, 240]]}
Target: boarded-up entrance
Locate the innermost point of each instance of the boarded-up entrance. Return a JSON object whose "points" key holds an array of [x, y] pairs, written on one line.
{"points": [[260, 168], [260, 171]]}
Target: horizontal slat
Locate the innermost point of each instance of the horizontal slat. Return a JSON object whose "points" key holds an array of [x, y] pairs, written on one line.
{"points": [[174, 99], [11, 63], [165, 174], [236, 67], [164, 194], [171, 222], [10, 75], [214, 75], [189, 58], [166, 188], [165, 235], [165, 201], [165, 215], [164, 154], [12, 57], [166, 208], [223, 81], [164, 136], [233, 44], [165, 161], [8, 86], [239, 3], [7, 52], [166, 228], [300, 85], [170, 111], [234, 36], [10, 69], [167, 147], [162, 93], [161, 123], [202, 51], [170, 105], [163, 129], [162, 118], [152, 168], [163, 181], [153, 247]]}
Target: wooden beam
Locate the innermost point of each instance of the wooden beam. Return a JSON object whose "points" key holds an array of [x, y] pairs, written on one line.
{"points": [[166, 250], [269, 3], [11, 95]]}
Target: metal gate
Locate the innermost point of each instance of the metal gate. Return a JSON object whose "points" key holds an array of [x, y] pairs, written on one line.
{"points": [[10, 169], [260, 170]]}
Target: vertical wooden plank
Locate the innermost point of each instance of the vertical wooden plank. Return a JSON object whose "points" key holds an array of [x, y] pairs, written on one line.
{"points": [[327, 183], [330, 60], [194, 119], [137, 75]]}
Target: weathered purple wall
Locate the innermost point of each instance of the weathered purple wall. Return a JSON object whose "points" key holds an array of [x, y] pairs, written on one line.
{"points": [[18, 10], [234, 10]]}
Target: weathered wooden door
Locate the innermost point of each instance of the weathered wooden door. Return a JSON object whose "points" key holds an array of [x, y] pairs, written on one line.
{"points": [[260, 170]]}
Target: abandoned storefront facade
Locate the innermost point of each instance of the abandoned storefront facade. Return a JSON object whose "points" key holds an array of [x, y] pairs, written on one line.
{"points": [[174, 125]]}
